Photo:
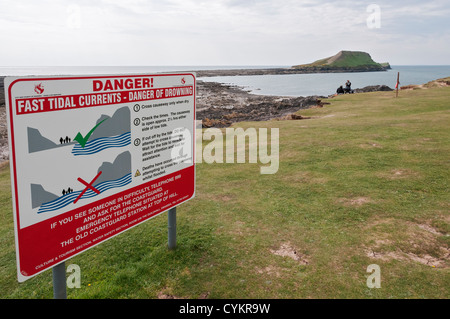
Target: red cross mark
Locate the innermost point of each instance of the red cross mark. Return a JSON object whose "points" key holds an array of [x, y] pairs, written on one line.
{"points": [[88, 185]]}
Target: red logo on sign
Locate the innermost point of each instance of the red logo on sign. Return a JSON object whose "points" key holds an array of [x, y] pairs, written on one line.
{"points": [[39, 88], [183, 81]]}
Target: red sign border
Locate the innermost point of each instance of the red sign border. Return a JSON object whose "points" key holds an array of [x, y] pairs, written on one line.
{"points": [[10, 106]]}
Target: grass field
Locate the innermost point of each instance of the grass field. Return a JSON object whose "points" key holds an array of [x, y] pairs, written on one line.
{"points": [[364, 181]]}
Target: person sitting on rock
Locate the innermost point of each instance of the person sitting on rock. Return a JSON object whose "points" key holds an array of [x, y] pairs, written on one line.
{"points": [[348, 87], [340, 90]]}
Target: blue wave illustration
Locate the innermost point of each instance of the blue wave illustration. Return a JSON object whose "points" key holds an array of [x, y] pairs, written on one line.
{"points": [[102, 143], [70, 198]]}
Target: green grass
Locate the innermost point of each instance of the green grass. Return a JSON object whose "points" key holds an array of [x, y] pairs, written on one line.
{"points": [[368, 173]]}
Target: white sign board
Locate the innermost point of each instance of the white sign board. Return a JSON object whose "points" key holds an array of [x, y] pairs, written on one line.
{"points": [[92, 156]]}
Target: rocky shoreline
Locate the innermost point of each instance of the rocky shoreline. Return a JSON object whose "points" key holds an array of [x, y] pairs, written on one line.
{"points": [[220, 105], [281, 71], [4, 149]]}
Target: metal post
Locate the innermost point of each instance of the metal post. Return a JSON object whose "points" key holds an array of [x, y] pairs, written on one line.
{"points": [[172, 221], [397, 85], [59, 281]]}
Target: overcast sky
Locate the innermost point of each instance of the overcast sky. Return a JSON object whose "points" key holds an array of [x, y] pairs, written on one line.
{"points": [[220, 32]]}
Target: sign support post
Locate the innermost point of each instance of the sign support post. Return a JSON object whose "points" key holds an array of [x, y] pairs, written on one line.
{"points": [[172, 227], [59, 281], [397, 84]]}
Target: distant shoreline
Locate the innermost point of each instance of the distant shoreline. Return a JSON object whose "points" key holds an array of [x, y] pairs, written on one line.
{"points": [[275, 71], [235, 72], [232, 72]]}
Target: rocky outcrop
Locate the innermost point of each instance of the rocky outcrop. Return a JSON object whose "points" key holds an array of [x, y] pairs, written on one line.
{"points": [[2, 92], [373, 88], [229, 105], [282, 71]]}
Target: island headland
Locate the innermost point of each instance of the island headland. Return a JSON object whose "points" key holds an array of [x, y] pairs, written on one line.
{"points": [[343, 61]]}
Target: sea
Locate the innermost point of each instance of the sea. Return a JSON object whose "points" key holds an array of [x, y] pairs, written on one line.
{"points": [[325, 84], [322, 84]]}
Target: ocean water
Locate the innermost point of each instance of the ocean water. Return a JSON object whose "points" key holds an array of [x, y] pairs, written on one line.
{"points": [[77, 70], [325, 84], [283, 85]]}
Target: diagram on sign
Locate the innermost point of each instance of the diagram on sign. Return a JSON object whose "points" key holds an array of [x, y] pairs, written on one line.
{"points": [[109, 176], [106, 132]]}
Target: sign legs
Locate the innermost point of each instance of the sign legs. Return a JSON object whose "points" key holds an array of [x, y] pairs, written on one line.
{"points": [[59, 271], [172, 227], [59, 281]]}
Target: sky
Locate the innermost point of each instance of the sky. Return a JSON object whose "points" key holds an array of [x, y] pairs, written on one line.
{"points": [[220, 32]]}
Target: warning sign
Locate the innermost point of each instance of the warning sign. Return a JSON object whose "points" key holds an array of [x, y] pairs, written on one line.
{"points": [[93, 156]]}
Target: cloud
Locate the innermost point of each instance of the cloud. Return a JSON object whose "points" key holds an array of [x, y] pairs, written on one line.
{"points": [[281, 32]]}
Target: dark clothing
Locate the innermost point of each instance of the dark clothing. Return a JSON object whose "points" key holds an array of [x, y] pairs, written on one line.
{"points": [[340, 90], [348, 87]]}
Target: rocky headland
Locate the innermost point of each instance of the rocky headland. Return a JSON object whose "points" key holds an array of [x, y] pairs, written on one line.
{"points": [[345, 61]]}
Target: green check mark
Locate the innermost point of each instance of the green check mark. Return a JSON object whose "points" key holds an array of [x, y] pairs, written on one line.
{"points": [[83, 140]]}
